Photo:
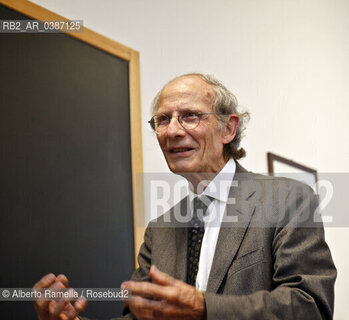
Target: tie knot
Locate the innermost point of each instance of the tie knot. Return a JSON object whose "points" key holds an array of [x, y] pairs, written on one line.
{"points": [[201, 204]]}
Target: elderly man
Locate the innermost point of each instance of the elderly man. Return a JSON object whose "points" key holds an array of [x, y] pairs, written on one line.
{"points": [[251, 248]]}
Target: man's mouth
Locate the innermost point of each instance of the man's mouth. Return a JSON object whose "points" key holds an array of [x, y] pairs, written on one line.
{"points": [[178, 150]]}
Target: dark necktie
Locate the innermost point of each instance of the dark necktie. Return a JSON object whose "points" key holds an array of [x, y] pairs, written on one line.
{"points": [[195, 234]]}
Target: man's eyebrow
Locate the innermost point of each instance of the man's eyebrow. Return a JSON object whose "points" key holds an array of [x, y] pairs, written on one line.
{"points": [[168, 114], [190, 109], [184, 110]]}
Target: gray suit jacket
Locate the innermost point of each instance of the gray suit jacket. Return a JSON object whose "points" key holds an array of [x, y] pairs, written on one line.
{"points": [[272, 263]]}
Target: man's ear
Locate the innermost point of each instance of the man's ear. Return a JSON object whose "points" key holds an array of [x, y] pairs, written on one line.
{"points": [[230, 128]]}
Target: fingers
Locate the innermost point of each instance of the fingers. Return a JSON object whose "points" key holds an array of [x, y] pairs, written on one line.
{"points": [[144, 308], [161, 278], [165, 298], [65, 310], [151, 290], [45, 281], [57, 309], [80, 304], [184, 294], [62, 278], [164, 287], [71, 311]]}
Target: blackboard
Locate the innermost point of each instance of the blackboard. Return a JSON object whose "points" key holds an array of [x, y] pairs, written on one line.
{"points": [[65, 166]]}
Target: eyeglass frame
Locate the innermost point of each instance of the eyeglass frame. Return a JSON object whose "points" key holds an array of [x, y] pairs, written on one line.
{"points": [[200, 114]]}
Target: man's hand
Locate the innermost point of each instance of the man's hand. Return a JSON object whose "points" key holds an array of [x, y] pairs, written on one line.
{"points": [[57, 310], [164, 298]]}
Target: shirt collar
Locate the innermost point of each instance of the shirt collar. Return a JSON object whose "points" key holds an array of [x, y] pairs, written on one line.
{"points": [[219, 187]]}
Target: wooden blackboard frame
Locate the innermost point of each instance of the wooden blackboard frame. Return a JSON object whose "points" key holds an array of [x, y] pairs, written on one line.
{"points": [[112, 47]]}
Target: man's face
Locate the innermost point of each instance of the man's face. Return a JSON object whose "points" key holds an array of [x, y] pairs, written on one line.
{"points": [[195, 150]]}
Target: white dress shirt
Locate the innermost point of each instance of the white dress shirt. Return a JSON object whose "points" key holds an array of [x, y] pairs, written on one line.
{"points": [[218, 189]]}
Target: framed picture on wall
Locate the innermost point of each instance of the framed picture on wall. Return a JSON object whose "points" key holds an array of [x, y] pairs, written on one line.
{"points": [[282, 167]]}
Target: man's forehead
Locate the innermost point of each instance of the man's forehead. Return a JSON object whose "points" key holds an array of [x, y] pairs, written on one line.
{"points": [[190, 87]]}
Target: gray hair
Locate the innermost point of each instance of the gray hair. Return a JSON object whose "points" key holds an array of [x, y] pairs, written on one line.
{"points": [[224, 103]]}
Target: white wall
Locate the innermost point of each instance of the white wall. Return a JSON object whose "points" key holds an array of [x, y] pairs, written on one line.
{"points": [[286, 60]]}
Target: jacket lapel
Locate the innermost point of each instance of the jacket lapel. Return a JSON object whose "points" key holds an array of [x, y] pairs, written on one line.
{"points": [[231, 233], [181, 254]]}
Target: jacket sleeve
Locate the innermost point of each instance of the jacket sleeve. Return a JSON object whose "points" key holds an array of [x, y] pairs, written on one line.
{"points": [[303, 271]]}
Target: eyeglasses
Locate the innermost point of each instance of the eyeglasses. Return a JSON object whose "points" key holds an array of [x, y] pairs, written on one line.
{"points": [[188, 121]]}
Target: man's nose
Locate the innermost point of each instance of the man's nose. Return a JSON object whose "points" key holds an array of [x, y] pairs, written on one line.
{"points": [[175, 128]]}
